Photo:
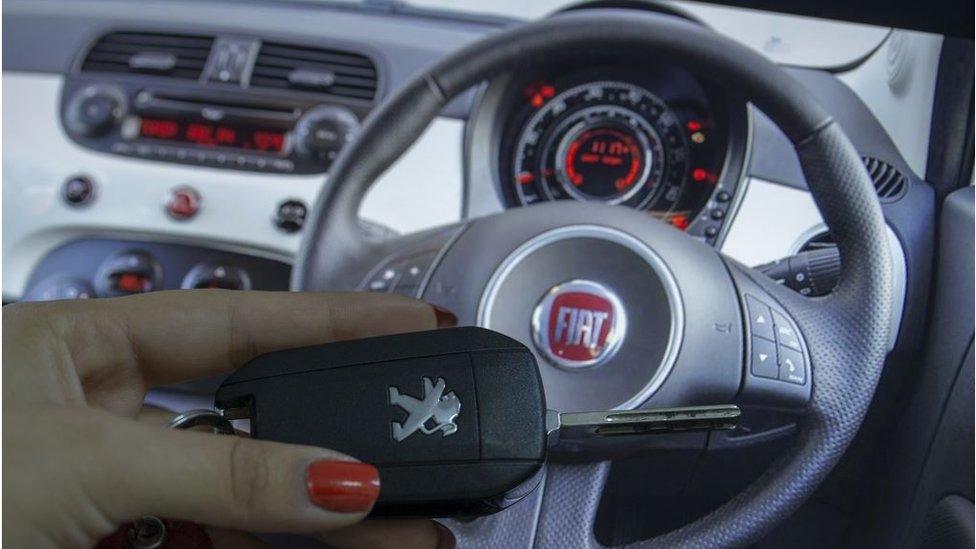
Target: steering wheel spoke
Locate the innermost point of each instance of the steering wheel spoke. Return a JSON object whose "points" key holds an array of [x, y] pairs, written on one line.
{"points": [[403, 264]]}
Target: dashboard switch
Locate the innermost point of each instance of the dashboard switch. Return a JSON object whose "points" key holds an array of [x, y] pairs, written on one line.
{"points": [[78, 191], [324, 130], [290, 216], [95, 110], [183, 203]]}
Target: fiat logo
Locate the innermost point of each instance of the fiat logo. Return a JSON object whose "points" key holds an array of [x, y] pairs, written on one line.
{"points": [[578, 324]]}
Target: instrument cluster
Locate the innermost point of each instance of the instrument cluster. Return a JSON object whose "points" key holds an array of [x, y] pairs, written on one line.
{"points": [[658, 140]]}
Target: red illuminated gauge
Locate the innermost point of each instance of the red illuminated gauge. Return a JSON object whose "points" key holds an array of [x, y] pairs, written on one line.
{"points": [[604, 162], [608, 141]]}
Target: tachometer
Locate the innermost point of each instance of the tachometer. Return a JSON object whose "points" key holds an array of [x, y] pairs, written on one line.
{"points": [[609, 141]]}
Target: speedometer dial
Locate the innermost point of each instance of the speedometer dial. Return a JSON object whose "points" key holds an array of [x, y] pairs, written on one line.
{"points": [[609, 141]]}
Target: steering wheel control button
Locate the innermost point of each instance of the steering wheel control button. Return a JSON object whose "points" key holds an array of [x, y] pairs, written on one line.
{"points": [[454, 419], [78, 191], [401, 276], [183, 203], [791, 366], [785, 332], [127, 273], [412, 272], [760, 318], [290, 216], [579, 324], [763, 361]]}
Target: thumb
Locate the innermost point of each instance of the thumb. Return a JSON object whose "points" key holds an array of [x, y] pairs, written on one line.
{"points": [[231, 481]]}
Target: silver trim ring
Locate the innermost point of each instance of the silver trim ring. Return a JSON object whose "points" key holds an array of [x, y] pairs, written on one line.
{"points": [[675, 303]]}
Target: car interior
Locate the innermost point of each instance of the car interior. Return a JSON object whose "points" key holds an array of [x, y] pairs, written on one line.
{"points": [[757, 208]]}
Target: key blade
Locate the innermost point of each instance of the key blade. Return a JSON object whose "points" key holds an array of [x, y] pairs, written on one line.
{"points": [[578, 425]]}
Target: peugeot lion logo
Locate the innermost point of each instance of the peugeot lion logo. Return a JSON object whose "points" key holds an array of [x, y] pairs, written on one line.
{"points": [[578, 324], [436, 406]]}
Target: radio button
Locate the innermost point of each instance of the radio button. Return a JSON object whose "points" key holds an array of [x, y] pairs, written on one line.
{"points": [[323, 131], [283, 165], [95, 110], [122, 148]]}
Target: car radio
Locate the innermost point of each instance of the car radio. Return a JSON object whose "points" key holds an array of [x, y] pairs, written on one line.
{"points": [[225, 129]]}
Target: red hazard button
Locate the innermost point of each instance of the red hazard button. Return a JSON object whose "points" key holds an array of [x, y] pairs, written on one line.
{"points": [[183, 203]]}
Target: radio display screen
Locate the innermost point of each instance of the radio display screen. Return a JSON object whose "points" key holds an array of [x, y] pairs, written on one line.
{"points": [[210, 134]]}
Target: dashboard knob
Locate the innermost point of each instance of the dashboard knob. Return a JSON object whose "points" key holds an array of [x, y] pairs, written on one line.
{"points": [[95, 110], [322, 131]]}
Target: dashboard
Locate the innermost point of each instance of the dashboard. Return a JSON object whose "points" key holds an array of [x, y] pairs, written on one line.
{"points": [[144, 151]]}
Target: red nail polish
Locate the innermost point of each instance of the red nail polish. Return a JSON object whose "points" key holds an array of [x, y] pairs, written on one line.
{"points": [[445, 318], [343, 486], [445, 537]]}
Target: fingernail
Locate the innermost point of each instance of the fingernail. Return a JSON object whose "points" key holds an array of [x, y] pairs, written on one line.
{"points": [[343, 486], [445, 537], [445, 318]]}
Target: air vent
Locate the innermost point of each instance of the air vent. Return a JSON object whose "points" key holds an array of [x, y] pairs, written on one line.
{"points": [[889, 183], [326, 71], [173, 55]]}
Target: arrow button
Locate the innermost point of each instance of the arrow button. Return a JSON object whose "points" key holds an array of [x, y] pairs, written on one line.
{"points": [[760, 320], [791, 366], [763, 363]]}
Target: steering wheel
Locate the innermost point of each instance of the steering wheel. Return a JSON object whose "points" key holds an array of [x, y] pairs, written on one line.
{"points": [[661, 318]]}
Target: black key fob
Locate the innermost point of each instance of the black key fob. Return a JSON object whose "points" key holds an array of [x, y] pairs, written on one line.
{"points": [[454, 419]]}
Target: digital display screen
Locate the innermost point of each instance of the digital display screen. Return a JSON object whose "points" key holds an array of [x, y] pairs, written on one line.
{"points": [[209, 134]]}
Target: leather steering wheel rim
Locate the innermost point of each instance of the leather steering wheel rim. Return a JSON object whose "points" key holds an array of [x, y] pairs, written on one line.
{"points": [[846, 331]]}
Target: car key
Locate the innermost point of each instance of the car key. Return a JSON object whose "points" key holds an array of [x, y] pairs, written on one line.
{"points": [[454, 419]]}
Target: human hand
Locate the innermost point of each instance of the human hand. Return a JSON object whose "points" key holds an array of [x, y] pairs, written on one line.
{"points": [[78, 463]]}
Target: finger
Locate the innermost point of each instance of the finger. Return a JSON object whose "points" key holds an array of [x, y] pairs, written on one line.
{"points": [[391, 534], [224, 481], [168, 337], [151, 415]]}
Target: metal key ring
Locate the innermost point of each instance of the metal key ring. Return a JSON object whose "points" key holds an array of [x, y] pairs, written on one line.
{"points": [[206, 418], [150, 532]]}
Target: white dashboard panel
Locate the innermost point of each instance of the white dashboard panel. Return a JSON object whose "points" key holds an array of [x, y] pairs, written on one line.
{"points": [[897, 84], [770, 220], [237, 208]]}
